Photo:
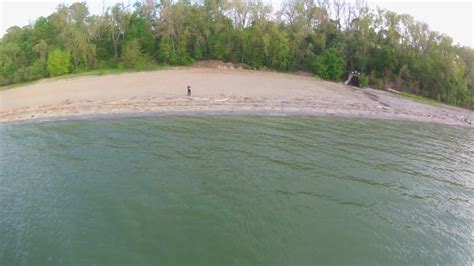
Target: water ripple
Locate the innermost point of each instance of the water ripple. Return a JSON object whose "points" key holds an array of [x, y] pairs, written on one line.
{"points": [[236, 190]]}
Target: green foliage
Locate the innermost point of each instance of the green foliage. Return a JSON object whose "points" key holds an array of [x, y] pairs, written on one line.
{"points": [[388, 59], [335, 64], [277, 49], [253, 47], [218, 46], [59, 62], [378, 84], [132, 56], [167, 53], [19, 75], [37, 70], [140, 29], [330, 65], [82, 51], [183, 56], [419, 98], [364, 80], [319, 67]]}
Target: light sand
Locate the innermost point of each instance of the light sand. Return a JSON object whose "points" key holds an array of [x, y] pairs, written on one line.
{"points": [[212, 91]]}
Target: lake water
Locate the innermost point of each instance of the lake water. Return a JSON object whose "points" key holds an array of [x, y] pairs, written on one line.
{"points": [[230, 190]]}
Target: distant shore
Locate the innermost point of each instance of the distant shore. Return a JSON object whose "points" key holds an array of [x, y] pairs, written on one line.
{"points": [[213, 91]]}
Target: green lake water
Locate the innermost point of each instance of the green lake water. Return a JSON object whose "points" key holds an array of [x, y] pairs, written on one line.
{"points": [[234, 190]]}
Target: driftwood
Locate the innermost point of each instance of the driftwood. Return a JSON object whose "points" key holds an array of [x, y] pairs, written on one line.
{"points": [[392, 90], [349, 78]]}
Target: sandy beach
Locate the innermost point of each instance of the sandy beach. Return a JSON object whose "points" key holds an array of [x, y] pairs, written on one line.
{"points": [[213, 91]]}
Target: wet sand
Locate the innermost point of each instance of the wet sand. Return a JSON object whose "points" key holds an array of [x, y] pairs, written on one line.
{"points": [[213, 91]]}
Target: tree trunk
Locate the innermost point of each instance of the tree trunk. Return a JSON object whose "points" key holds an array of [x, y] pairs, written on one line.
{"points": [[115, 50]]}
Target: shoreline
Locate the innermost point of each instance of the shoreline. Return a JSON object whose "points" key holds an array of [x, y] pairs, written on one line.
{"points": [[205, 114], [215, 92], [129, 113]]}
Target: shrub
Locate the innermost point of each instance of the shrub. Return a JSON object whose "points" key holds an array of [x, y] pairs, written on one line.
{"points": [[132, 56], [378, 84], [334, 63], [167, 53], [319, 68], [329, 65], [37, 70], [59, 62], [364, 80], [19, 75]]}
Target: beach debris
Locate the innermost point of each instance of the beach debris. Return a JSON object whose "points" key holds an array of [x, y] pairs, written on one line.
{"points": [[353, 79], [464, 119], [221, 100], [189, 91], [217, 64], [304, 73], [202, 99], [393, 91]]}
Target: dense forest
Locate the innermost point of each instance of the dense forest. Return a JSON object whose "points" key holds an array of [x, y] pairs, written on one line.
{"points": [[327, 38]]}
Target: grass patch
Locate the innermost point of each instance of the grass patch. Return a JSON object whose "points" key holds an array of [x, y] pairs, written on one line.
{"points": [[420, 99], [112, 71], [21, 84], [95, 72]]}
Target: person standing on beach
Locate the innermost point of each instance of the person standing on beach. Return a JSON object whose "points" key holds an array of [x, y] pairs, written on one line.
{"points": [[189, 91]]}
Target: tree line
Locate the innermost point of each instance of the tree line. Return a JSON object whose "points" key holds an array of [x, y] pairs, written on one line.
{"points": [[327, 38]]}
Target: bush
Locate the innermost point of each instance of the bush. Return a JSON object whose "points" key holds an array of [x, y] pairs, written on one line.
{"points": [[319, 67], [364, 80], [37, 70], [19, 75], [7, 70], [378, 84], [132, 56], [330, 65], [59, 62], [334, 63], [182, 55], [167, 54]]}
